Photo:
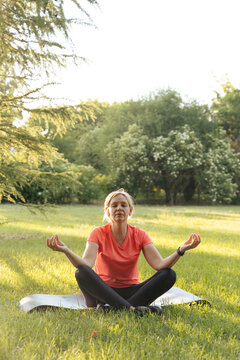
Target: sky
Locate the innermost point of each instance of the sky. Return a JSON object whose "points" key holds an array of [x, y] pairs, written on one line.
{"points": [[141, 46]]}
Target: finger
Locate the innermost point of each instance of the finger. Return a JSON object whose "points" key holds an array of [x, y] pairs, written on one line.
{"points": [[196, 237], [192, 244], [193, 239], [197, 242], [51, 241], [58, 242], [49, 244], [199, 239], [190, 241]]}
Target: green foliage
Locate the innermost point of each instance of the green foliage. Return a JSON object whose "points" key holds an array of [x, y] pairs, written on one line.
{"points": [[128, 160], [123, 143], [64, 183], [198, 118], [226, 110], [109, 145], [22, 148], [161, 112], [29, 36], [56, 183], [184, 163], [80, 143], [25, 146], [91, 184], [175, 159], [216, 180], [91, 144], [29, 45]]}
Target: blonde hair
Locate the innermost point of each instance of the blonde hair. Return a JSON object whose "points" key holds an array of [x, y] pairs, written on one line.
{"points": [[111, 196]]}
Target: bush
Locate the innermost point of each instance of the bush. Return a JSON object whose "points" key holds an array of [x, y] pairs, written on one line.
{"points": [[64, 183]]}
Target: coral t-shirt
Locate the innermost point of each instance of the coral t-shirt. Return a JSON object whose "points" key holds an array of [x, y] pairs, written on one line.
{"points": [[117, 264]]}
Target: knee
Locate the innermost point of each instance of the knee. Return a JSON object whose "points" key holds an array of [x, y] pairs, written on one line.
{"points": [[81, 272], [170, 274]]}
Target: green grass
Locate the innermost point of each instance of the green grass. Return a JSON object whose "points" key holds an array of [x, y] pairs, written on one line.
{"points": [[212, 271]]}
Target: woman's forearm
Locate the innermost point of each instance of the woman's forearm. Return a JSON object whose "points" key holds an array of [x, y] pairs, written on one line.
{"points": [[75, 259], [89, 256], [169, 261]]}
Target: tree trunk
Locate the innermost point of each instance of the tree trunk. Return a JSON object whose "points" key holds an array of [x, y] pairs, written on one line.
{"points": [[189, 190], [171, 197], [199, 196]]}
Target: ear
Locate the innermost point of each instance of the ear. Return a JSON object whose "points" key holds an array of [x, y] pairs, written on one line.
{"points": [[131, 210]]}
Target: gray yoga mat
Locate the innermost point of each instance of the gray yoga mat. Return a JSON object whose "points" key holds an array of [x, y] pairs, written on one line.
{"points": [[174, 296]]}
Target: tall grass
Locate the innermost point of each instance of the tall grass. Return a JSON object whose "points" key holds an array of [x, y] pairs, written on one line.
{"points": [[212, 271]]}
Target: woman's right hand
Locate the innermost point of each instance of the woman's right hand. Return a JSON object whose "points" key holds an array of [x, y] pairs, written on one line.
{"points": [[55, 244]]}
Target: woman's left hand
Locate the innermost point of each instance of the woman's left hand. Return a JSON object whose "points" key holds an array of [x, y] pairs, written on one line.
{"points": [[191, 243]]}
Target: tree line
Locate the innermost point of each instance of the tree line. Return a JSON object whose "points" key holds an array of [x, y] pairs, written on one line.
{"points": [[158, 147]]}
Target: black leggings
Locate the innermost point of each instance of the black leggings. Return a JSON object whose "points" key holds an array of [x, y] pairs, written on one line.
{"points": [[96, 291]]}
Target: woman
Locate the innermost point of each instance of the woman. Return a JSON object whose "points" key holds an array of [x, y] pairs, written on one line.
{"points": [[114, 249]]}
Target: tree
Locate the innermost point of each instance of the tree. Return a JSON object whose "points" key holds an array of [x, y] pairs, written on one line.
{"points": [[216, 178], [160, 113], [175, 159], [56, 183], [128, 160], [29, 46], [198, 118], [29, 36], [64, 182], [226, 113], [80, 143], [24, 146]]}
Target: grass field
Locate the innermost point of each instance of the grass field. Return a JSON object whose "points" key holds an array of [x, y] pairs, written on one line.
{"points": [[212, 271]]}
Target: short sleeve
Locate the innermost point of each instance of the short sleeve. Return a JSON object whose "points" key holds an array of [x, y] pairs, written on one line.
{"points": [[145, 239], [94, 236]]}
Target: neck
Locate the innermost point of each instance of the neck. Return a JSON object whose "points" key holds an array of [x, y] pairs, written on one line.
{"points": [[119, 231]]}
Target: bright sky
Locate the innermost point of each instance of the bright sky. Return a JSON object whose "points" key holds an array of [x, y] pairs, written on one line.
{"points": [[140, 46]]}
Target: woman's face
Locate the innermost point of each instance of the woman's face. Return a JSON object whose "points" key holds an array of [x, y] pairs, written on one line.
{"points": [[119, 209]]}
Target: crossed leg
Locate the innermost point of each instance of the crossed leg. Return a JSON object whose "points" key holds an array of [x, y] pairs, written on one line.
{"points": [[96, 291]]}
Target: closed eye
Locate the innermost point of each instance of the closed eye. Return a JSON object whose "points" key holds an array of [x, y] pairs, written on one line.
{"points": [[122, 204]]}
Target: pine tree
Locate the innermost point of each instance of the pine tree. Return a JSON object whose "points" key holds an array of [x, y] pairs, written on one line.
{"points": [[29, 45]]}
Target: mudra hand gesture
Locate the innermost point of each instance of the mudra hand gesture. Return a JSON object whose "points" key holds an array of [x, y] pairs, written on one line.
{"points": [[55, 244], [191, 243]]}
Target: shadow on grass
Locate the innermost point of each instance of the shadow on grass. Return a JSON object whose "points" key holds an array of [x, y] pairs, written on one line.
{"points": [[25, 284]]}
